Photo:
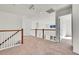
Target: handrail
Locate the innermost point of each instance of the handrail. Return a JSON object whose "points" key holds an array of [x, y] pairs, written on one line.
{"points": [[8, 30], [21, 36], [12, 35]]}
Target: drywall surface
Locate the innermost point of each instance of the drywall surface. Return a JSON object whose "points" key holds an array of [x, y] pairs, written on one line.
{"points": [[75, 28], [44, 21], [27, 25], [10, 21]]}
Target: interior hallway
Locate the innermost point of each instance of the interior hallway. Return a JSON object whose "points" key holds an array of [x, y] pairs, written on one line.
{"points": [[37, 46]]}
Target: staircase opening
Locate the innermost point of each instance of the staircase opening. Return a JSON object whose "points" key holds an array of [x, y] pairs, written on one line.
{"points": [[10, 38]]}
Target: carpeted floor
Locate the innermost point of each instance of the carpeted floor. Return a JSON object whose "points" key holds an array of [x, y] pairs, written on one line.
{"points": [[37, 46]]}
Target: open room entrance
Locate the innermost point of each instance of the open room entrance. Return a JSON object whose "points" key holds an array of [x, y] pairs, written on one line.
{"points": [[66, 29], [64, 26]]}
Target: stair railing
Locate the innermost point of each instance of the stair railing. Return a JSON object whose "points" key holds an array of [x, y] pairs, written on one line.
{"points": [[10, 38]]}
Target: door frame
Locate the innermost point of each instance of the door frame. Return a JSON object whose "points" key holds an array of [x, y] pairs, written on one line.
{"points": [[63, 11]]}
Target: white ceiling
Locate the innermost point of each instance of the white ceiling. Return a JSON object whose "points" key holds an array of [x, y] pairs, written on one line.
{"points": [[23, 9]]}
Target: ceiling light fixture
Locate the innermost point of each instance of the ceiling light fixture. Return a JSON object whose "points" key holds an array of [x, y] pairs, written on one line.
{"points": [[50, 10]]}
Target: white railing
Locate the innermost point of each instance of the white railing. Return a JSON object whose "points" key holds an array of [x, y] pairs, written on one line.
{"points": [[10, 38]]}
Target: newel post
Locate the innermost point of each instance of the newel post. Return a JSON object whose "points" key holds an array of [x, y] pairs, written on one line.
{"points": [[21, 36]]}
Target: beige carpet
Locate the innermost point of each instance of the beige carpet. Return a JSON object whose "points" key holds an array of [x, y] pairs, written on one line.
{"points": [[37, 46]]}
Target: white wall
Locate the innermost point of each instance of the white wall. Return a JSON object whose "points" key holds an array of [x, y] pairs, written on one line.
{"points": [[10, 21], [27, 25], [76, 28], [44, 20]]}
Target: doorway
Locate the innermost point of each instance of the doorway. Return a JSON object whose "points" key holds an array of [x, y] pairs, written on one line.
{"points": [[61, 13], [66, 29]]}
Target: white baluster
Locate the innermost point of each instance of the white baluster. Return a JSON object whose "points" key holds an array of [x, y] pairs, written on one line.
{"points": [[3, 40], [13, 40], [7, 43]]}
